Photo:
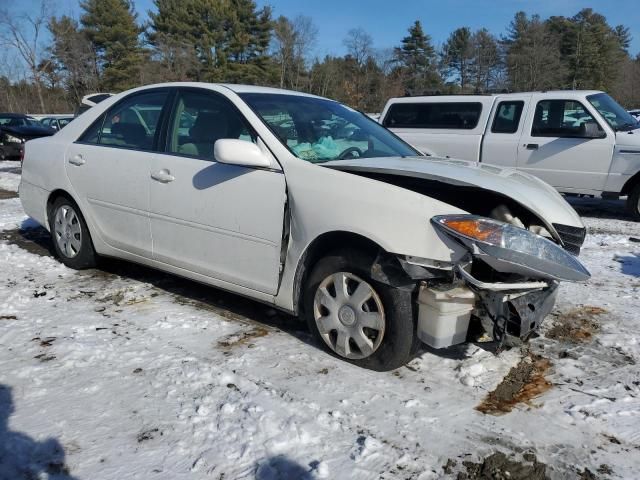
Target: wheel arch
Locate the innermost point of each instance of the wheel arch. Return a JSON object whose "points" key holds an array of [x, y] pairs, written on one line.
{"points": [[629, 184], [53, 196], [319, 247]]}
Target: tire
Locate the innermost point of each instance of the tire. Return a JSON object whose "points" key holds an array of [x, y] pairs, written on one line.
{"points": [[2, 154], [633, 202], [392, 336], [70, 235]]}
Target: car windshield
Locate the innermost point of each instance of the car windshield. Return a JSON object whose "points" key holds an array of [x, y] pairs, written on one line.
{"points": [[616, 116], [319, 130], [16, 121]]}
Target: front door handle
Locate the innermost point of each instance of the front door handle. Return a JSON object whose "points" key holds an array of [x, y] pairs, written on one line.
{"points": [[163, 176], [77, 160], [532, 146]]}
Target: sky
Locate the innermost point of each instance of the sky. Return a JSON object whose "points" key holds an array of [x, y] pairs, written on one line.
{"points": [[387, 21]]}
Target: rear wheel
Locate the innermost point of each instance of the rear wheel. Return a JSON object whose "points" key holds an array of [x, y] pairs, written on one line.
{"points": [[362, 321], [633, 202], [70, 235]]}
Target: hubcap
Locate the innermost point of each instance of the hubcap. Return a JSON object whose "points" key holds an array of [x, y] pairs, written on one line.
{"points": [[349, 315], [67, 231]]}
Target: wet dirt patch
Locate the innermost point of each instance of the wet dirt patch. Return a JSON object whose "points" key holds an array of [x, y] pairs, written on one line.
{"points": [[499, 466], [522, 384], [33, 240], [577, 325], [7, 194], [243, 338]]}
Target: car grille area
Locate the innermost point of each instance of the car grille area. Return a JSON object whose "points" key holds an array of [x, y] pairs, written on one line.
{"points": [[572, 237]]}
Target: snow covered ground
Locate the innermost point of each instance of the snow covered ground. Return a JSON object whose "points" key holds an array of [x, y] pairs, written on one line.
{"points": [[128, 373]]}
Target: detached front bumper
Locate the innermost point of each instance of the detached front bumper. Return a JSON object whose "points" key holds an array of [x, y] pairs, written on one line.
{"points": [[506, 311]]}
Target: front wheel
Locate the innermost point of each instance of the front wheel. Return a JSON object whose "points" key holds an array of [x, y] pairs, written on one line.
{"points": [[633, 202], [362, 321], [71, 239]]}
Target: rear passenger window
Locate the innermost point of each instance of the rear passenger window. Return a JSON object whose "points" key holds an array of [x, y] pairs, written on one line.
{"points": [[134, 122], [507, 117], [561, 118], [200, 119], [456, 116]]}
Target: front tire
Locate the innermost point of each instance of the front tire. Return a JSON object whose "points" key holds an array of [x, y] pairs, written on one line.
{"points": [[70, 235], [633, 202], [357, 319]]}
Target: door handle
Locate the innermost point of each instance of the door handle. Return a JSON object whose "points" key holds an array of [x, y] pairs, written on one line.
{"points": [[532, 146], [163, 176], [77, 160]]}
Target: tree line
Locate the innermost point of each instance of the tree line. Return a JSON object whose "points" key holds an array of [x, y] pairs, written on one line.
{"points": [[107, 49]]}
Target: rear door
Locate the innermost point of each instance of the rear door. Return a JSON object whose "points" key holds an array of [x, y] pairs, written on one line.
{"points": [[501, 141], [553, 145], [109, 169], [218, 220]]}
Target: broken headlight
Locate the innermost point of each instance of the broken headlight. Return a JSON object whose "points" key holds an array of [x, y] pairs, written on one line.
{"points": [[508, 248]]}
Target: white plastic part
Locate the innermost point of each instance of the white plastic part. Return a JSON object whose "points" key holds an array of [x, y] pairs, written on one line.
{"points": [[443, 318]]}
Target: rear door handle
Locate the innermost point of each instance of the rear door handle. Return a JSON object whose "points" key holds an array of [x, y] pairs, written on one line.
{"points": [[163, 176], [77, 160], [532, 146]]}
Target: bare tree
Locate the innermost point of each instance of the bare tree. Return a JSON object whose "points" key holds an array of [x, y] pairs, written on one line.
{"points": [[359, 45], [26, 43], [292, 43]]}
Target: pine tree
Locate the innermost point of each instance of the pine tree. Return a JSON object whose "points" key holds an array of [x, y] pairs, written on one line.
{"points": [[417, 58], [111, 27], [457, 55]]}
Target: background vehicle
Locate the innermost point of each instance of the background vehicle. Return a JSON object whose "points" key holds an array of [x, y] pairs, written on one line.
{"points": [[308, 205], [15, 130], [635, 114], [580, 142], [91, 100], [56, 123]]}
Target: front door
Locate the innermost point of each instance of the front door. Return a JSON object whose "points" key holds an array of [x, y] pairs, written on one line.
{"points": [[109, 170], [222, 221], [554, 148]]}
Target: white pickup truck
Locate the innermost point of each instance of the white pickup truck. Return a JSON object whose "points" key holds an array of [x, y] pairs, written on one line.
{"points": [[581, 142]]}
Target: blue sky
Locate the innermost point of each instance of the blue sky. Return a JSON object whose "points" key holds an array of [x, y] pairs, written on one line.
{"points": [[387, 20]]}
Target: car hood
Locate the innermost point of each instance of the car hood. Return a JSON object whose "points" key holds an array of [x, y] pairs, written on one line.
{"points": [[527, 190], [28, 131]]}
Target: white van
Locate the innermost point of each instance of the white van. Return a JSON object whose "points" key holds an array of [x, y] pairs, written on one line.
{"points": [[581, 142]]}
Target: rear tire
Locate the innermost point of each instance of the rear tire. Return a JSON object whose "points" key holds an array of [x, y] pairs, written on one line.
{"points": [[70, 235], [377, 333], [633, 202]]}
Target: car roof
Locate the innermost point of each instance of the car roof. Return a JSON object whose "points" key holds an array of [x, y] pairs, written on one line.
{"points": [[489, 97], [14, 115], [236, 88]]}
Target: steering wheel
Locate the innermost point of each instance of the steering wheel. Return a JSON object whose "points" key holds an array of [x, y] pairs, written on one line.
{"points": [[349, 151]]}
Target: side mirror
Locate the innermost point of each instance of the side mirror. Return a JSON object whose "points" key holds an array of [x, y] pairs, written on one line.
{"points": [[592, 130], [240, 152]]}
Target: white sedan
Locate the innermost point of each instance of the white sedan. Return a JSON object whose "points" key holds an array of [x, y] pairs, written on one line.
{"points": [[303, 203]]}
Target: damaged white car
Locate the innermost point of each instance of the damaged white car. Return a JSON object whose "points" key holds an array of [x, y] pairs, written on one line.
{"points": [[308, 205]]}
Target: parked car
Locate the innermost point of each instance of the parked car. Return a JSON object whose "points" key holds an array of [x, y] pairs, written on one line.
{"points": [[581, 142], [91, 100], [635, 114], [15, 130], [303, 203], [57, 123]]}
